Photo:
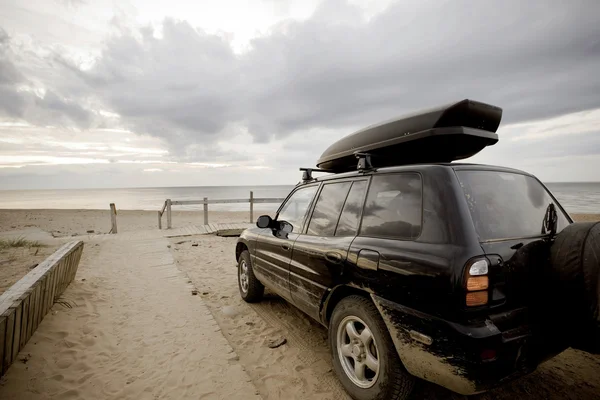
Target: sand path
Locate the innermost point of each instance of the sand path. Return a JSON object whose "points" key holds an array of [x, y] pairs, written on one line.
{"points": [[132, 329]]}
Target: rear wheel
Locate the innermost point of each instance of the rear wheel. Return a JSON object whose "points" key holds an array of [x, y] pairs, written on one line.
{"points": [[251, 289], [364, 356]]}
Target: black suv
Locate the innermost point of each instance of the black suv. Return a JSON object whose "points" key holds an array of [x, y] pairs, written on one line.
{"points": [[420, 270]]}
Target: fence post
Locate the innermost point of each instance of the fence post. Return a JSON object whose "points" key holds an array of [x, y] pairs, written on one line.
{"points": [[168, 213], [113, 218], [159, 220], [206, 211], [251, 206]]}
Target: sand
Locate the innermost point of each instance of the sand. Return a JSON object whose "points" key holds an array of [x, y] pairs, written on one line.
{"points": [[62, 223], [128, 327], [134, 330], [302, 368]]}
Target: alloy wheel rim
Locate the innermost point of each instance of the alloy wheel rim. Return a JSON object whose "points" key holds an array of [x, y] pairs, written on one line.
{"points": [[244, 276], [358, 352]]}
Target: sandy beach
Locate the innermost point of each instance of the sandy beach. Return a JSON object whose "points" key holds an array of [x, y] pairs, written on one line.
{"points": [[61, 223], [133, 329]]}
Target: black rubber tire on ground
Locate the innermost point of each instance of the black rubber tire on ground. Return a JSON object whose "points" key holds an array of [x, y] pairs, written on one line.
{"points": [[255, 288], [393, 382], [575, 276]]}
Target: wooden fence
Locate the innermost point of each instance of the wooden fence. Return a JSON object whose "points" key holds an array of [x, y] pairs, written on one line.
{"points": [[252, 200], [24, 305]]}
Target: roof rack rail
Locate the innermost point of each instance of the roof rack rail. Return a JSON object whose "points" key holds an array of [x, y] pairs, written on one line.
{"points": [[307, 173]]}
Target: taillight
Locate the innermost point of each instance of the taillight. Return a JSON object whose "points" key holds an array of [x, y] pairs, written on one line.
{"points": [[477, 282]]}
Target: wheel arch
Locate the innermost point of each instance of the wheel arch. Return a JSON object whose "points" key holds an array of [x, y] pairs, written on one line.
{"points": [[239, 249], [335, 296]]}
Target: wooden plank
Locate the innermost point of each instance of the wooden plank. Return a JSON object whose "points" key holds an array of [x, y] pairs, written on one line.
{"points": [[229, 232], [205, 211], [215, 201], [16, 346], [251, 206], [2, 340], [44, 286], [53, 291], [38, 306], [24, 321], [269, 200], [8, 338], [169, 226], [32, 300], [113, 218], [78, 255], [69, 270], [186, 202], [47, 291], [61, 278]]}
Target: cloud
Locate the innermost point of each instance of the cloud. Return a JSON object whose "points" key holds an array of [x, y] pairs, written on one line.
{"points": [[306, 83], [24, 98], [338, 70], [72, 3]]}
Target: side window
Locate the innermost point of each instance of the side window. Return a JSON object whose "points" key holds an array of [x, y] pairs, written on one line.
{"points": [[348, 224], [294, 210], [327, 210], [393, 207]]}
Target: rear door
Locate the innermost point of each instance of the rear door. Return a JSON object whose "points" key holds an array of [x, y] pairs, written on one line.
{"points": [[386, 253], [274, 248], [321, 250]]}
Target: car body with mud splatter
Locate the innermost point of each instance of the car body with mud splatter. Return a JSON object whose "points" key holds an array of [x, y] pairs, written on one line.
{"points": [[464, 275]]}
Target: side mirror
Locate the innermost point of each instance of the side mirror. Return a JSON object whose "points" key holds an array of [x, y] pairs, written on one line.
{"points": [[264, 221]]}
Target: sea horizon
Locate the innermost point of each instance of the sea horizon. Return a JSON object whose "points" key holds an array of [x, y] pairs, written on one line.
{"points": [[575, 197]]}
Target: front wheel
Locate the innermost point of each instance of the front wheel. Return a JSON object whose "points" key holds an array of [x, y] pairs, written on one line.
{"points": [[251, 289], [364, 356]]}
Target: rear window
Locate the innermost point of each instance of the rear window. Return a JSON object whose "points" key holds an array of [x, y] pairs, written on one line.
{"points": [[506, 205]]}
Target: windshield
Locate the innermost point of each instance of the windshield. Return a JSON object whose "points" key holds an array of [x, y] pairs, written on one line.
{"points": [[507, 205]]}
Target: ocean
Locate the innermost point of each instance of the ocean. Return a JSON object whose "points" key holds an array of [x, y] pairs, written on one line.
{"points": [[575, 197]]}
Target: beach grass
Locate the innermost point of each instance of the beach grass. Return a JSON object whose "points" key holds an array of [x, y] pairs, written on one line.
{"points": [[18, 242]]}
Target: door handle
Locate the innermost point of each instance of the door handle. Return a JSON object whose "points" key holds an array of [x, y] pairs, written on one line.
{"points": [[333, 257], [286, 247]]}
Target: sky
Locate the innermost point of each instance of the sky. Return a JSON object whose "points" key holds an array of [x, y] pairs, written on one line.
{"points": [[132, 93]]}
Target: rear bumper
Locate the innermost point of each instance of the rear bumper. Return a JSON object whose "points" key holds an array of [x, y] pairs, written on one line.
{"points": [[458, 356]]}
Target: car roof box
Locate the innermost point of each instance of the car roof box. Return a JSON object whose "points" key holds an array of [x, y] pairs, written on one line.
{"points": [[443, 134]]}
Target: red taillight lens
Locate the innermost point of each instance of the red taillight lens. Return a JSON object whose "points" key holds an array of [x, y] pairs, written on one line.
{"points": [[488, 355]]}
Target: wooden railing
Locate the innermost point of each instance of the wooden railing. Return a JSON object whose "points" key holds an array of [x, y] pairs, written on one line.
{"points": [[24, 304], [205, 202]]}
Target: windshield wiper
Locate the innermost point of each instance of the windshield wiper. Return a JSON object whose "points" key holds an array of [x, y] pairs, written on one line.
{"points": [[550, 221]]}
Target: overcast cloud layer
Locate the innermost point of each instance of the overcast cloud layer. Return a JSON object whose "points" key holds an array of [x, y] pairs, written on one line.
{"points": [[312, 80]]}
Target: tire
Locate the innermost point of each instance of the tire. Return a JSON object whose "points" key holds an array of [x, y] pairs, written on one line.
{"points": [[251, 289], [390, 381], [575, 273]]}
